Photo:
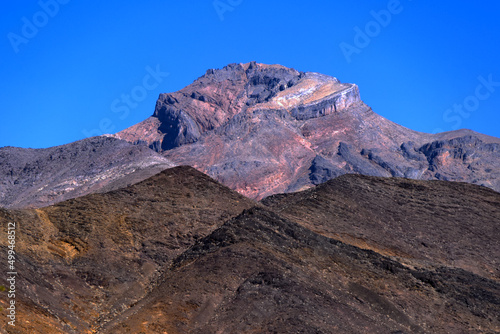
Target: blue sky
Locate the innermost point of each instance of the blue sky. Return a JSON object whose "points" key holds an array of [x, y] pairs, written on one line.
{"points": [[73, 68]]}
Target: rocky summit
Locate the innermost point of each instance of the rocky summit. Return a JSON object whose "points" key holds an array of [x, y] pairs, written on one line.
{"points": [[266, 129]]}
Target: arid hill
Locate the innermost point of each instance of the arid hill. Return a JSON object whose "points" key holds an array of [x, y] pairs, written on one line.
{"points": [[85, 260], [181, 253], [420, 224]]}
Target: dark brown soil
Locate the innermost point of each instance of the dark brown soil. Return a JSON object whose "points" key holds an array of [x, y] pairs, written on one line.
{"points": [[419, 223]]}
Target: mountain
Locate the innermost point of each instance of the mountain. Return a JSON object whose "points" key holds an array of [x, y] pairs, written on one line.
{"points": [[40, 177], [267, 129], [83, 261], [181, 253], [259, 129], [356, 230]]}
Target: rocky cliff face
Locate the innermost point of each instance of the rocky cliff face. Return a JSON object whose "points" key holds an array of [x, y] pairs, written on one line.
{"points": [[265, 129], [215, 98], [40, 177]]}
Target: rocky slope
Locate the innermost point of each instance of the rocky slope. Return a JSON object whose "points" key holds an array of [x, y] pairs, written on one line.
{"points": [[40, 177], [83, 261], [260, 273], [420, 224], [266, 129], [176, 254]]}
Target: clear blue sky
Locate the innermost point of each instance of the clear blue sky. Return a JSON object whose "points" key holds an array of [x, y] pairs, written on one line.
{"points": [[66, 71]]}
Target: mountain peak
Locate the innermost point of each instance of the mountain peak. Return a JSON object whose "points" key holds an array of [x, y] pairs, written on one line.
{"points": [[279, 87], [264, 129], [250, 67], [215, 98]]}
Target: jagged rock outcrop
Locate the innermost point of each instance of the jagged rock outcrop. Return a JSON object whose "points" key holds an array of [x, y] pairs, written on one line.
{"points": [[40, 177], [464, 158], [213, 99]]}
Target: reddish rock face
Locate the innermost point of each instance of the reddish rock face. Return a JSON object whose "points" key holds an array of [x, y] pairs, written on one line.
{"points": [[265, 129]]}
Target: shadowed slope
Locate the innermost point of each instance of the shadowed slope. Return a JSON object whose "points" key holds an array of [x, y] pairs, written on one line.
{"points": [[418, 223], [260, 273]]}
